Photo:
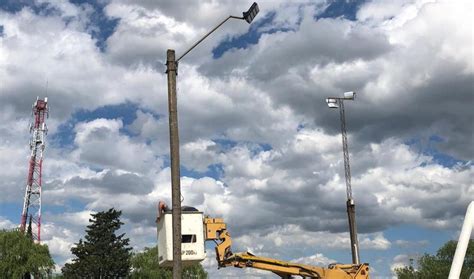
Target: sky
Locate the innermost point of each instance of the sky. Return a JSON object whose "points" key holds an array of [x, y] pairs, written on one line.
{"points": [[259, 146]]}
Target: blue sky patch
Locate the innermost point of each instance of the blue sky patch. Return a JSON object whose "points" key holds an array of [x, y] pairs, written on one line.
{"points": [[413, 233], [429, 148], [301, 126], [101, 27], [255, 147], [225, 144], [12, 211], [43, 9], [249, 38], [346, 9], [127, 112], [215, 171], [444, 159]]}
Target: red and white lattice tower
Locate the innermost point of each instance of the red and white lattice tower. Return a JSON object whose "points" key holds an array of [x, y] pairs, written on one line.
{"points": [[31, 214]]}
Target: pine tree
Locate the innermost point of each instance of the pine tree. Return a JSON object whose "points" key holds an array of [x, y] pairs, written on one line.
{"points": [[102, 254]]}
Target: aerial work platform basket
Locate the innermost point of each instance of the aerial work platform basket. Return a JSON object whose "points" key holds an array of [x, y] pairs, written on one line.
{"points": [[192, 236]]}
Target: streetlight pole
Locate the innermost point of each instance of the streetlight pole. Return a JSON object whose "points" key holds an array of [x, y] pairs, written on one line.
{"points": [[172, 71], [334, 102]]}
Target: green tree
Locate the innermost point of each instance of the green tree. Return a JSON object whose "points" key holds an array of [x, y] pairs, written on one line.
{"points": [[20, 256], [438, 266], [145, 266], [102, 254]]}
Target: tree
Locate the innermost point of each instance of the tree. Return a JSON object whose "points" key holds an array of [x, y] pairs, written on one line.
{"points": [[102, 254], [145, 265], [438, 266], [20, 256]]}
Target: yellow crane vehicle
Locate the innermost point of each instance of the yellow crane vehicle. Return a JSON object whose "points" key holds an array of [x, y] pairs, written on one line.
{"points": [[196, 229]]}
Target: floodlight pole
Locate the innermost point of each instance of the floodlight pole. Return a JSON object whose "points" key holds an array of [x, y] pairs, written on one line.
{"points": [[350, 204], [334, 102], [172, 72]]}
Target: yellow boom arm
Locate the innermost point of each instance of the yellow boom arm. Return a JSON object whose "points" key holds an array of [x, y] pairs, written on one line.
{"points": [[216, 230]]}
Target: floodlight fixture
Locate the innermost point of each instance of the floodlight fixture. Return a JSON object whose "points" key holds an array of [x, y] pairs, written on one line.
{"points": [[349, 95], [247, 16], [251, 13], [332, 102]]}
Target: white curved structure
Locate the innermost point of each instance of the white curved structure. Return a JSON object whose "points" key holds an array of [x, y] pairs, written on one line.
{"points": [[461, 248]]}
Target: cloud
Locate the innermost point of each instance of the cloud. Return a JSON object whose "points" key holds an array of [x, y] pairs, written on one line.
{"points": [[254, 119], [410, 244], [400, 261], [315, 260], [14, 156], [402, 77], [388, 174], [280, 242], [147, 28], [210, 265], [59, 240], [45, 50], [80, 218], [116, 182], [6, 224], [100, 143]]}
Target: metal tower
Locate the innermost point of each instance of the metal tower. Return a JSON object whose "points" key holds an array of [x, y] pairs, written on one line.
{"points": [[32, 201], [338, 102]]}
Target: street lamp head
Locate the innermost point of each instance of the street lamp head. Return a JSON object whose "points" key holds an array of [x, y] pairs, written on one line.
{"points": [[332, 103], [349, 95], [251, 13]]}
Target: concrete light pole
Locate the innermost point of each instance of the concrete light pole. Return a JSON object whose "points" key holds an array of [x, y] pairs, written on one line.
{"points": [[335, 102], [172, 71]]}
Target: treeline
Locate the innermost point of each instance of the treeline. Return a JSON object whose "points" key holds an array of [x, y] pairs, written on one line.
{"points": [[101, 254], [438, 265]]}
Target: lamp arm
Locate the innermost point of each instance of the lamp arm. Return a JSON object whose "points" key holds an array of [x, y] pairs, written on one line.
{"points": [[205, 36]]}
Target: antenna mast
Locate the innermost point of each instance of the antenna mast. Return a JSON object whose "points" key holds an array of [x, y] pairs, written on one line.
{"points": [[32, 201]]}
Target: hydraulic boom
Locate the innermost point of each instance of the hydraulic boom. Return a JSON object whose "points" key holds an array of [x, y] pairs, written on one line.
{"points": [[216, 230]]}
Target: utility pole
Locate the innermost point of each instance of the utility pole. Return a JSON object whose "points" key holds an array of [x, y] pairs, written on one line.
{"points": [[171, 70], [335, 102]]}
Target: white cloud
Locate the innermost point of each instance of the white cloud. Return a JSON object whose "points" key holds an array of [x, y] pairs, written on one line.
{"points": [[315, 260], [281, 242], [80, 219], [59, 239], [6, 224], [413, 244], [210, 265], [100, 143], [400, 261], [410, 62]]}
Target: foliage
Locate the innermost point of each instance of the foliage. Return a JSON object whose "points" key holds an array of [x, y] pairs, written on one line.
{"points": [[438, 266], [19, 256], [145, 265], [102, 254]]}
